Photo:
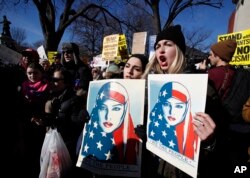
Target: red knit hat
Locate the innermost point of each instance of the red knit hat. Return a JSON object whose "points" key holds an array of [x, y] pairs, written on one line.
{"points": [[225, 49], [32, 53]]}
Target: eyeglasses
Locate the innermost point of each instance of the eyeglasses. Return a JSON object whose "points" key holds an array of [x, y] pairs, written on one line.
{"points": [[57, 79], [68, 51]]}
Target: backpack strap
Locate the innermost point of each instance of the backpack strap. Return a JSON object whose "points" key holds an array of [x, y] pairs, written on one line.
{"points": [[225, 80]]}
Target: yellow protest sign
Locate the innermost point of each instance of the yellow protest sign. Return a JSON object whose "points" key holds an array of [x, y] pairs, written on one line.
{"points": [[110, 47], [51, 55], [242, 52], [114, 48], [123, 49]]}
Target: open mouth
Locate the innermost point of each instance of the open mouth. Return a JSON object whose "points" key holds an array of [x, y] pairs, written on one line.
{"points": [[163, 61]]}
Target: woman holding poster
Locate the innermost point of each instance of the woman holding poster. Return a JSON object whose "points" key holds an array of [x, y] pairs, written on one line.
{"points": [[169, 58]]}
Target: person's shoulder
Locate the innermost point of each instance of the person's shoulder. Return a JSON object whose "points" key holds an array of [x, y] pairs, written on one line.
{"points": [[217, 69], [83, 68], [241, 74]]}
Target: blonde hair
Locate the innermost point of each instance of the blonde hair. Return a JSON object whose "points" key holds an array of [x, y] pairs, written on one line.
{"points": [[176, 67]]}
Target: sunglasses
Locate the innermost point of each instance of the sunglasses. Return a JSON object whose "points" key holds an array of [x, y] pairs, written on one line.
{"points": [[68, 51], [57, 79]]}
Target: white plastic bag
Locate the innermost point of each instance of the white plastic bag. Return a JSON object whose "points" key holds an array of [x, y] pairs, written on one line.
{"points": [[55, 160]]}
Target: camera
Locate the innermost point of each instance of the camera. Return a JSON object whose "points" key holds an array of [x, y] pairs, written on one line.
{"points": [[201, 59], [197, 62]]}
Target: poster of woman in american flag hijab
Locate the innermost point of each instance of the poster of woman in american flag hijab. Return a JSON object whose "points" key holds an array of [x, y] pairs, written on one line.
{"points": [[110, 145], [173, 99]]}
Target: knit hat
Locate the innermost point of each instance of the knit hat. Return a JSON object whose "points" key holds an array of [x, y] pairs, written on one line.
{"points": [[225, 49], [31, 53], [174, 34], [113, 68], [142, 58], [71, 47]]}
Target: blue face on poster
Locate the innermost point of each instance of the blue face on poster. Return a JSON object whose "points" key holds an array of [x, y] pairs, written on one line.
{"points": [[171, 119], [109, 136]]}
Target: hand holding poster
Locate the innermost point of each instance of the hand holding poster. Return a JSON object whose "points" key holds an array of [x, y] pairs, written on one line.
{"points": [[173, 100], [110, 145]]}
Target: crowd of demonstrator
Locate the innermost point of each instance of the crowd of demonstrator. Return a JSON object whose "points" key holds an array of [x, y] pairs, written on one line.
{"points": [[37, 95]]}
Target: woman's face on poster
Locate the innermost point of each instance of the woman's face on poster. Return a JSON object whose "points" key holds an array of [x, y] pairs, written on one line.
{"points": [[111, 114], [174, 111]]}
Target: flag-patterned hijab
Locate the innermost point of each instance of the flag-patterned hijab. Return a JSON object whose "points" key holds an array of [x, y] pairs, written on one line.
{"points": [[118, 146], [179, 137]]}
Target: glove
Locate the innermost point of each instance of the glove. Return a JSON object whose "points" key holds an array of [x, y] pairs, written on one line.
{"points": [[140, 131], [55, 104], [84, 114], [49, 119]]}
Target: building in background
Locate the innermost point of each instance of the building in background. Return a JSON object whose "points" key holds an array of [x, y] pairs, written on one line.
{"points": [[239, 19]]}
